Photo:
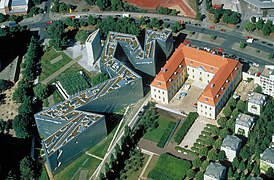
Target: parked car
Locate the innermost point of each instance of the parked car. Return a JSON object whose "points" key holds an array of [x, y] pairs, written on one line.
{"points": [[249, 37], [72, 17], [207, 49], [196, 24], [220, 49], [223, 30], [183, 94], [211, 27], [166, 19], [49, 22], [181, 21]]}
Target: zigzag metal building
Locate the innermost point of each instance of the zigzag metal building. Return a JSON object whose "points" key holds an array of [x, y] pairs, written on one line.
{"points": [[71, 126]]}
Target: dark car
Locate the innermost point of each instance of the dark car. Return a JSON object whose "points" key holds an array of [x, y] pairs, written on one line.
{"points": [[166, 19]]}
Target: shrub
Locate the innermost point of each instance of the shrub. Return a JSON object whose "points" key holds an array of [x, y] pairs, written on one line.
{"points": [[166, 134], [185, 127], [242, 45]]}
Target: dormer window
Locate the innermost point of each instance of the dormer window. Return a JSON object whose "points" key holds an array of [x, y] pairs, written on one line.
{"points": [[227, 81], [206, 99], [217, 95], [180, 66], [170, 80], [165, 70], [222, 88], [212, 85], [191, 62], [175, 72], [236, 68], [159, 83], [211, 68]]}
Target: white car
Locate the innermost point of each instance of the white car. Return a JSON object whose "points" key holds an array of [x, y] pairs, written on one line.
{"points": [[249, 40], [207, 49]]}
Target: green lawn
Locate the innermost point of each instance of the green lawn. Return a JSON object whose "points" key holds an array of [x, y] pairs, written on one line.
{"points": [[84, 162], [48, 68], [134, 175], [44, 175], [101, 148], [156, 134], [151, 165], [169, 167], [57, 97]]}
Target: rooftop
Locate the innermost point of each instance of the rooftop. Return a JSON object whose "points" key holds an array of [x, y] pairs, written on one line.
{"points": [[231, 142], [224, 70], [215, 170], [267, 71], [262, 4], [268, 155], [245, 120], [257, 98]]}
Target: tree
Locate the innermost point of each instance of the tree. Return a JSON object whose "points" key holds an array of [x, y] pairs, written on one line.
{"points": [[266, 30], [270, 56], [190, 174], [250, 27], [205, 164], [232, 102], [260, 24], [91, 20], [235, 113], [154, 22], [70, 22], [199, 175], [41, 91], [242, 166], [242, 45], [236, 175], [212, 154], [97, 79], [222, 121], [217, 143], [227, 112], [3, 32], [57, 35], [199, 16], [4, 85], [258, 89], [26, 107], [223, 133], [27, 168], [235, 162], [22, 125], [2, 125], [103, 4], [81, 36], [203, 151], [230, 172], [253, 19], [270, 172], [2, 17], [241, 105], [221, 156], [197, 162], [21, 91]]}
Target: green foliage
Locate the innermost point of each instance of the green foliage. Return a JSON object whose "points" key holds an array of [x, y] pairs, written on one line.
{"points": [[3, 32], [74, 82], [99, 78], [185, 127], [232, 102], [123, 25], [235, 113], [41, 91], [169, 167], [259, 24], [212, 155], [242, 45], [57, 35], [241, 105], [60, 7], [197, 162], [135, 161], [166, 134], [213, 37], [250, 27], [21, 92], [270, 56], [26, 107], [30, 60], [221, 156], [258, 89], [227, 111], [36, 2], [221, 121], [81, 36], [27, 168], [167, 11], [190, 174], [205, 164], [22, 125], [177, 27], [2, 17]]}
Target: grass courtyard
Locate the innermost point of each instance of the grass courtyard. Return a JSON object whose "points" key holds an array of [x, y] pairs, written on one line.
{"points": [[156, 134], [47, 67]]}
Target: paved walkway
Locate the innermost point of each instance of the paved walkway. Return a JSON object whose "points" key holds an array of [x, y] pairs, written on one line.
{"points": [[87, 153], [170, 148], [146, 165]]}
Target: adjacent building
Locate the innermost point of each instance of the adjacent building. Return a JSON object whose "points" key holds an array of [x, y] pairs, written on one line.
{"points": [[244, 123], [215, 171], [222, 75], [260, 5], [14, 6], [69, 127], [267, 160], [94, 47], [267, 80], [231, 145], [256, 102], [227, 4]]}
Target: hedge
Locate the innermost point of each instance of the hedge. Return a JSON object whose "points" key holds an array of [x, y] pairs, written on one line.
{"points": [[185, 127], [166, 134]]}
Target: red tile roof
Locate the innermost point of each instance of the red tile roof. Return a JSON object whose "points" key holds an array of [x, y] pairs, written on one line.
{"points": [[223, 68]]}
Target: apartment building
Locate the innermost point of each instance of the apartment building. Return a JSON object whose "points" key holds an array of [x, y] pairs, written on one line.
{"points": [[267, 80], [244, 124], [231, 146], [267, 160], [14, 6], [256, 103], [221, 75], [215, 171]]}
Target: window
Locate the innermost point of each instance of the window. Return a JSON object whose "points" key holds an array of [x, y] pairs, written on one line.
{"points": [[163, 99], [201, 105], [193, 76], [158, 91], [155, 96], [209, 108], [210, 114], [192, 70], [211, 68], [188, 69], [206, 107], [163, 92], [207, 75], [200, 73], [191, 62], [206, 99], [205, 113], [154, 89], [159, 97]]}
